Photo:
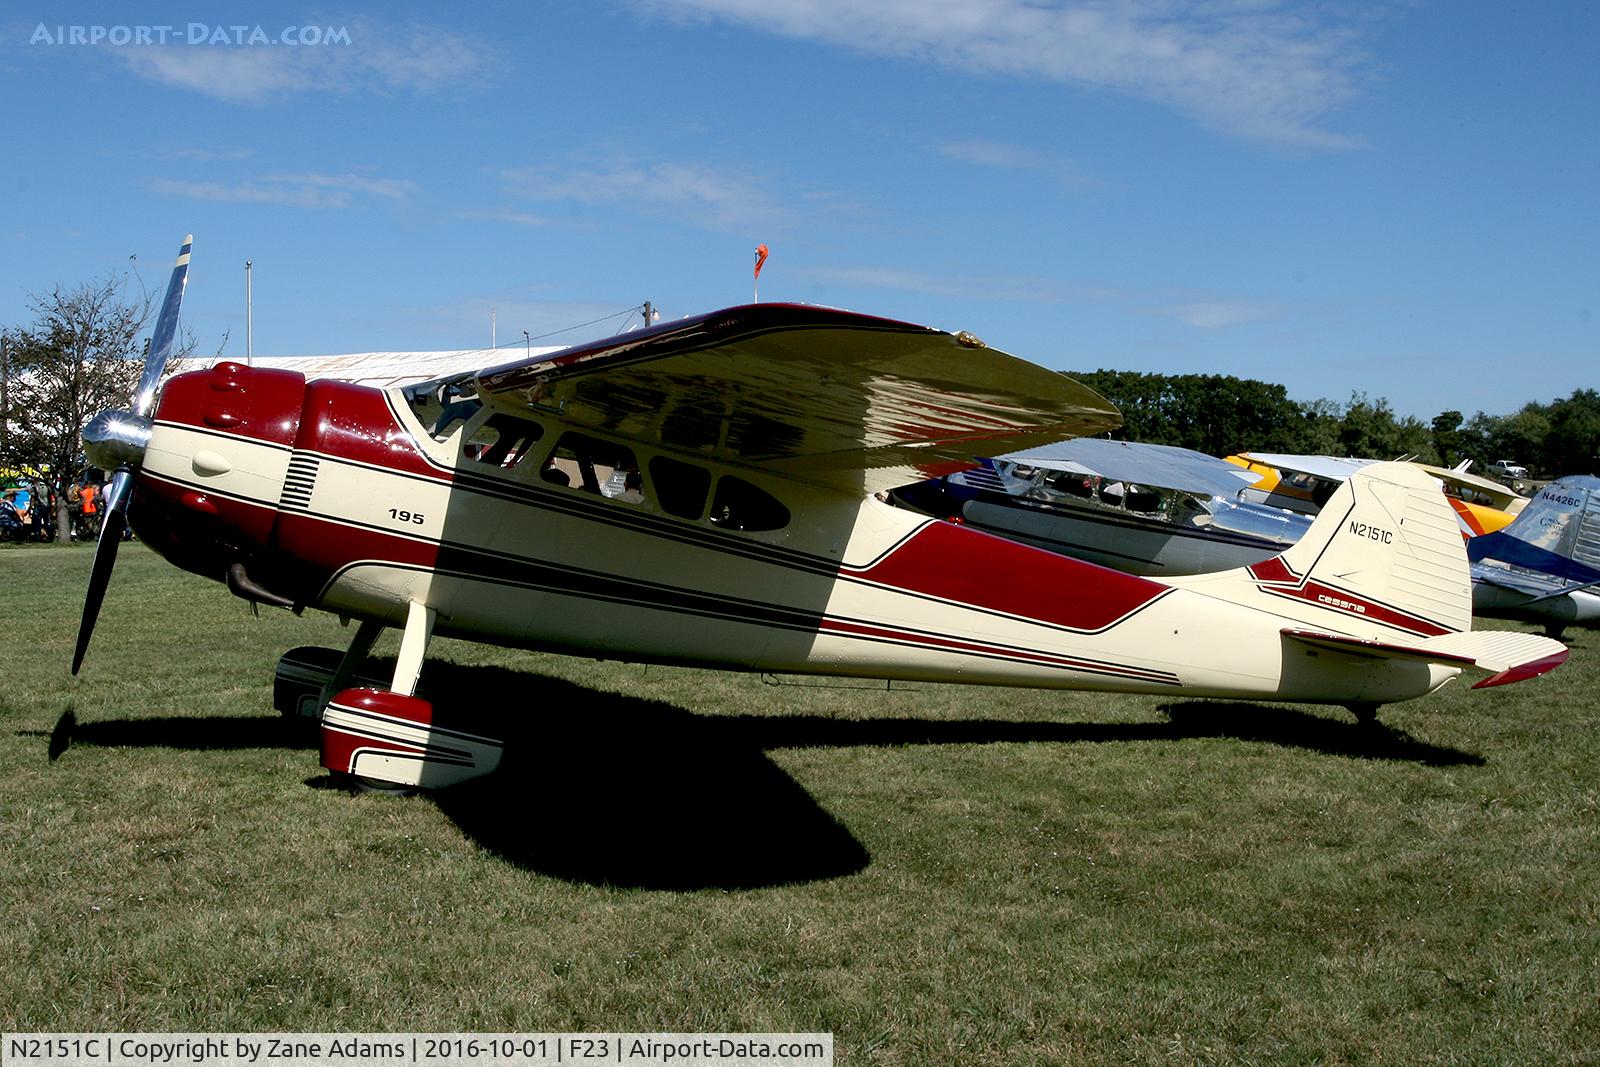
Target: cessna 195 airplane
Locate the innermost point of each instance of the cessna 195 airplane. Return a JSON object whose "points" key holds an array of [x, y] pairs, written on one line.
{"points": [[704, 492]]}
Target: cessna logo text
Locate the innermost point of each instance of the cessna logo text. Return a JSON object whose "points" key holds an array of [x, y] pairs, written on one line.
{"points": [[1373, 533]]}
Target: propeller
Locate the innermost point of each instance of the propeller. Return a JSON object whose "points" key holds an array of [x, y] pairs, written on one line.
{"points": [[115, 441]]}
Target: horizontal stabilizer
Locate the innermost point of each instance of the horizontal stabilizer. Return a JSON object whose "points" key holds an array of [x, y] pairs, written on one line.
{"points": [[1507, 655]]}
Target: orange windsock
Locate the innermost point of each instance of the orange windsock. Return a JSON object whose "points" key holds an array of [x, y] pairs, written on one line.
{"points": [[761, 257]]}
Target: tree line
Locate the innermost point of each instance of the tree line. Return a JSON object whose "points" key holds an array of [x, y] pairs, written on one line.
{"points": [[1220, 415], [82, 354]]}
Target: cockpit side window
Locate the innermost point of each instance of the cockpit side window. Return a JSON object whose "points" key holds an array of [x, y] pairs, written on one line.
{"points": [[443, 406], [738, 505]]}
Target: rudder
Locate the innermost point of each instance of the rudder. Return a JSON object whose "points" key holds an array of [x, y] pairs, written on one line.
{"points": [[1383, 559]]}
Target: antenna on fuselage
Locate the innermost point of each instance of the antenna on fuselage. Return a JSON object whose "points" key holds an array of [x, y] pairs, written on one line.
{"points": [[249, 313]]}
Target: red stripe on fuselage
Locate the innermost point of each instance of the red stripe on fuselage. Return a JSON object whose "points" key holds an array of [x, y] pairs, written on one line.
{"points": [[962, 566], [1274, 576]]}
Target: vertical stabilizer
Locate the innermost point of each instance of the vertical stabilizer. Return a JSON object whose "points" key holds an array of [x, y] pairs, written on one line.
{"points": [[1557, 533], [1383, 560]]}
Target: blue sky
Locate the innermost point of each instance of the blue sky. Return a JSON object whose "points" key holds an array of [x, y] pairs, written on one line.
{"points": [[1392, 198]]}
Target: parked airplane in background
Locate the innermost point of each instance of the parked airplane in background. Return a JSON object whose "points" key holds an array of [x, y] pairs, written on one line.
{"points": [[1303, 483], [1545, 566], [1153, 510], [746, 535]]}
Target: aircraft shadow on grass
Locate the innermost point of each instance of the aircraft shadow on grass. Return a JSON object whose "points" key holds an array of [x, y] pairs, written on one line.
{"points": [[606, 788]]}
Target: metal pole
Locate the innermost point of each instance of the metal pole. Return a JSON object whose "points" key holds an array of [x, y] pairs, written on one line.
{"points": [[249, 314], [5, 384]]}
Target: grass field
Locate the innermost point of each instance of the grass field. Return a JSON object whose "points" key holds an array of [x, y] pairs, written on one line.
{"points": [[937, 874]]}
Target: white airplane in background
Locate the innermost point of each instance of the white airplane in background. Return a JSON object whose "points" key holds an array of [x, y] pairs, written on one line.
{"points": [[1153, 510], [748, 444]]}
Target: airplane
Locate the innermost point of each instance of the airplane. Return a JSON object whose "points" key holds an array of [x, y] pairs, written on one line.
{"points": [[1152, 510], [1303, 483], [1545, 566], [748, 535]]}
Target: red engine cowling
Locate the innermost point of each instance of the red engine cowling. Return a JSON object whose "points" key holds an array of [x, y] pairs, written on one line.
{"points": [[186, 514]]}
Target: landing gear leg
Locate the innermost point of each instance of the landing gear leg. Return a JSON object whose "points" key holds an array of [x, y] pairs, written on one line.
{"points": [[367, 635], [413, 648], [1366, 713]]}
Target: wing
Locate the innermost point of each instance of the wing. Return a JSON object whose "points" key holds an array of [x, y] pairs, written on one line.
{"points": [[1499, 496], [1126, 461], [1530, 583], [826, 396], [1331, 468]]}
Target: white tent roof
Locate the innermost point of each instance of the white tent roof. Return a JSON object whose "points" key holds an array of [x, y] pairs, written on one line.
{"points": [[387, 369]]}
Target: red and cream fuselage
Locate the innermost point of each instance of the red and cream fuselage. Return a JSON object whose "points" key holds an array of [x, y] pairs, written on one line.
{"points": [[337, 497]]}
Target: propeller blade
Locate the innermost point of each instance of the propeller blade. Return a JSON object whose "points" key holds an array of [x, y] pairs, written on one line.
{"points": [[104, 439], [155, 361], [105, 557]]}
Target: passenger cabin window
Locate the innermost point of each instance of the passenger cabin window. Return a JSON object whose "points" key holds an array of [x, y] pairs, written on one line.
{"points": [[739, 505], [681, 488], [502, 441], [595, 466]]}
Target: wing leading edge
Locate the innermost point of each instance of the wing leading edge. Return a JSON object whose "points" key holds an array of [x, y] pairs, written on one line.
{"points": [[827, 396]]}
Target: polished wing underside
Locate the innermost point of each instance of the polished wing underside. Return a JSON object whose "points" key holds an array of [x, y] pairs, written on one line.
{"points": [[1163, 466], [827, 396]]}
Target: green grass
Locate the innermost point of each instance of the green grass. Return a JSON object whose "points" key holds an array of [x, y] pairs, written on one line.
{"points": [[938, 874]]}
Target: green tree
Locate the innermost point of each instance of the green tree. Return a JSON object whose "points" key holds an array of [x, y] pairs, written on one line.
{"points": [[80, 357], [1370, 430], [1448, 438], [1213, 413], [1572, 444]]}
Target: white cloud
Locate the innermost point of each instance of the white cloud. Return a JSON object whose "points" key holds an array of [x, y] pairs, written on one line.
{"points": [[515, 218], [1264, 69], [191, 154], [1013, 157], [723, 198], [378, 58], [1216, 314], [389, 188], [293, 190]]}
